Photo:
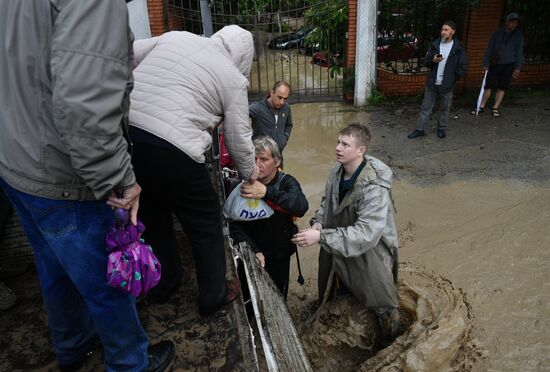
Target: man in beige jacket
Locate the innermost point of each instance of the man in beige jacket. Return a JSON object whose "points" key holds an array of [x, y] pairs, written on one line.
{"points": [[185, 86]]}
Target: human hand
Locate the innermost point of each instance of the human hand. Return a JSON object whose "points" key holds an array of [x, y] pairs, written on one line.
{"points": [[317, 226], [437, 58], [261, 258], [255, 174], [485, 68], [254, 190], [306, 237], [515, 74], [129, 200]]}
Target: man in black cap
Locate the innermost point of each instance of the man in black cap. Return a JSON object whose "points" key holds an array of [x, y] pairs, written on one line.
{"points": [[446, 59], [503, 59]]}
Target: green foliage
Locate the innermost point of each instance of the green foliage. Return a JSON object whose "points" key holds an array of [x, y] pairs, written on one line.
{"points": [[376, 98], [329, 19]]}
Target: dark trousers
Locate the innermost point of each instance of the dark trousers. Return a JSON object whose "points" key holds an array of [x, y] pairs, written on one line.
{"points": [[5, 211], [279, 271], [172, 182]]}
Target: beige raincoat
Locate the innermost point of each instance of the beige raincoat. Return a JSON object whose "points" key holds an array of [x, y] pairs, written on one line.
{"points": [[359, 236]]}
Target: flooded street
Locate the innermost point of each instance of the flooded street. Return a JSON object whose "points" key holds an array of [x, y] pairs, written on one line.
{"points": [[473, 211]]}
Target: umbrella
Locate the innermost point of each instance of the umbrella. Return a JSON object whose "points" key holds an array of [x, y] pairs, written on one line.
{"points": [[132, 266], [481, 93]]}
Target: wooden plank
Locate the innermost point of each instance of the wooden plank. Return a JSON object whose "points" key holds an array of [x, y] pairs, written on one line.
{"points": [[281, 343]]}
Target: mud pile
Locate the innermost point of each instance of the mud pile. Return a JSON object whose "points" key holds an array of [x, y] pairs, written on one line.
{"points": [[436, 319]]}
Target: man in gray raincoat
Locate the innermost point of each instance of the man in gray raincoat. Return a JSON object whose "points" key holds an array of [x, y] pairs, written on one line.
{"points": [[356, 230]]}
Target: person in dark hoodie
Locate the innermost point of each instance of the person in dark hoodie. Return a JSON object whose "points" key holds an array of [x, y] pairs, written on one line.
{"points": [[503, 59], [446, 59]]}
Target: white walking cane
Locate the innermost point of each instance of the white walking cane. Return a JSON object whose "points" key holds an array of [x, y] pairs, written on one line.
{"points": [[481, 93]]}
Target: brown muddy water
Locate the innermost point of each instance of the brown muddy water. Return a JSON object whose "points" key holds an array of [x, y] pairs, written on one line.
{"points": [[473, 213]]}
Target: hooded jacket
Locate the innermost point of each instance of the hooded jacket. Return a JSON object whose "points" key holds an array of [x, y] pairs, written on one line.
{"points": [[66, 73], [455, 67], [359, 237], [186, 85]]}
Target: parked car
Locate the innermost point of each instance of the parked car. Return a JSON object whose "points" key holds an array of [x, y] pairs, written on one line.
{"points": [[292, 40], [391, 47]]}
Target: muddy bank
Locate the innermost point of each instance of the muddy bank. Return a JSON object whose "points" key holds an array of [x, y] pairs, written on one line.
{"points": [[473, 208], [436, 319]]}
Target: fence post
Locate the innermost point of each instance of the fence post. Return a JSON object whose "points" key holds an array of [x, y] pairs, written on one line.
{"points": [[206, 18], [365, 53]]}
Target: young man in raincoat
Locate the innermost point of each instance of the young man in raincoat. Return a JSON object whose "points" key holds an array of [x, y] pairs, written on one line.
{"points": [[356, 230]]}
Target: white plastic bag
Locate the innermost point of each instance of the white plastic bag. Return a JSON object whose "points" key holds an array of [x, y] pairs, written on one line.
{"points": [[238, 208]]}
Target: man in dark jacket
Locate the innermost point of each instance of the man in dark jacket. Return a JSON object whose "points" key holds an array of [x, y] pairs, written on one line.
{"points": [[271, 116], [65, 68], [503, 60], [270, 238], [446, 59]]}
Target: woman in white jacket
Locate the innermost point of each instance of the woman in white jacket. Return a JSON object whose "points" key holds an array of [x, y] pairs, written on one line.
{"points": [[185, 86]]}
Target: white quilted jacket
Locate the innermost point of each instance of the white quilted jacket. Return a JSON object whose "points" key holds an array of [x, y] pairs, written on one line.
{"points": [[186, 85]]}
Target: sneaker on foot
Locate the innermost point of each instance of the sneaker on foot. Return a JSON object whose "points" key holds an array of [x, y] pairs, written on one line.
{"points": [[441, 133], [8, 299]]}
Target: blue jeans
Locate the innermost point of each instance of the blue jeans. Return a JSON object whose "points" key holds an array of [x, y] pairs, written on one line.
{"points": [[68, 239], [430, 97]]}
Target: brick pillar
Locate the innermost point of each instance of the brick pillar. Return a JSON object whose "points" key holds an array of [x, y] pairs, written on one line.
{"points": [[156, 16], [482, 21], [352, 33]]}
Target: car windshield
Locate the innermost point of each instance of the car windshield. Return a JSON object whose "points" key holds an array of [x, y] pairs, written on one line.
{"points": [[303, 31]]}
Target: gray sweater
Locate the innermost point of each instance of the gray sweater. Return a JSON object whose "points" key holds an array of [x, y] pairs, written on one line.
{"points": [[264, 124], [512, 52]]}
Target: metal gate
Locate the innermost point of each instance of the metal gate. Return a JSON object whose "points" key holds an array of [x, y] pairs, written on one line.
{"points": [[301, 41]]}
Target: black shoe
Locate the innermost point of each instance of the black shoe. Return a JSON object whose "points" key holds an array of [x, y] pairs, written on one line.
{"points": [[160, 356], [416, 133], [75, 366], [441, 133]]}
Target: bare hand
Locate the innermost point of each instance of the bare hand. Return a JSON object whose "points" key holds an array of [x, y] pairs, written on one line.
{"points": [[261, 258], [254, 190], [254, 175], [317, 226], [306, 237], [129, 200], [515, 74], [437, 59]]}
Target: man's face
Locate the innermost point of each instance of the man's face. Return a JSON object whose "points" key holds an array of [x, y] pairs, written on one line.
{"points": [[347, 150], [268, 166], [279, 97], [447, 32], [512, 25]]}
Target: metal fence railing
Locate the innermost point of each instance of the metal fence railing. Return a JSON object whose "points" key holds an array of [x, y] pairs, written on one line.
{"points": [[406, 27], [292, 41]]}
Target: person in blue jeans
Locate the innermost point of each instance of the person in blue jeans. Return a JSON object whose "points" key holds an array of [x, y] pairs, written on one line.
{"points": [[66, 72]]}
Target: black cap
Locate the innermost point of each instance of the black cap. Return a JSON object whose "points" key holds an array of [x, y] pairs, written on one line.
{"points": [[451, 24]]}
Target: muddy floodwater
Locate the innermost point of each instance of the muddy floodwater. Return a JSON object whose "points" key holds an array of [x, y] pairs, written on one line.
{"points": [[473, 213]]}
